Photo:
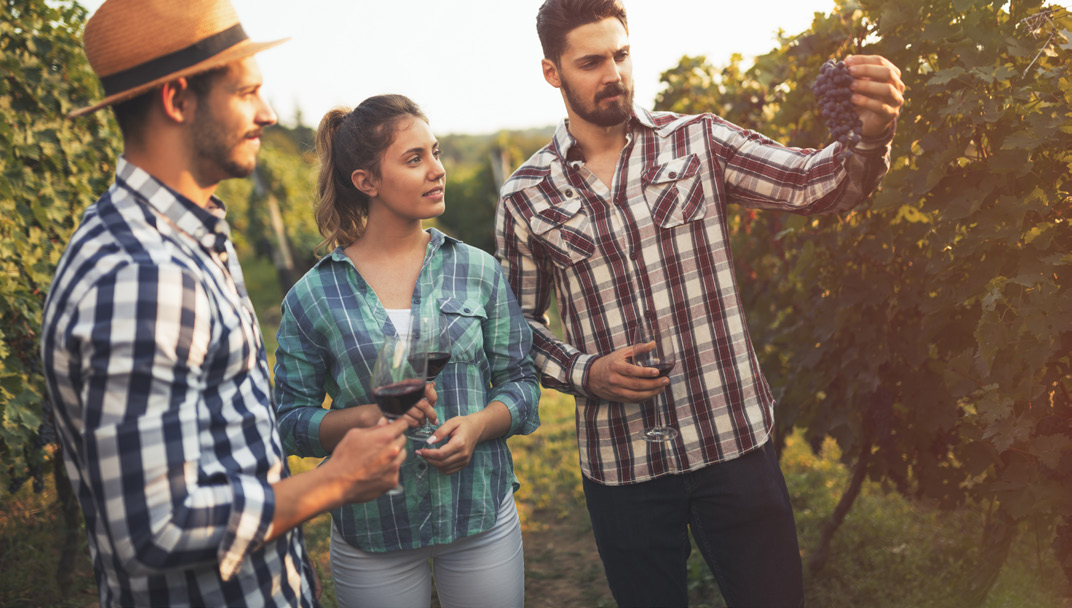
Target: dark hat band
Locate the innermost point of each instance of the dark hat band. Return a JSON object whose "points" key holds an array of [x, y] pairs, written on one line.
{"points": [[173, 62]]}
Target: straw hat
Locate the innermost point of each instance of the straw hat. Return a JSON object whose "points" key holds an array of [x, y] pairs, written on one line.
{"points": [[137, 45]]}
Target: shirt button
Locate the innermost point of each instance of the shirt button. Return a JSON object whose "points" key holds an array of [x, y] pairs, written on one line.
{"points": [[466, 310], [223, 257], [421, 465], [569, 193], [673, 175]]}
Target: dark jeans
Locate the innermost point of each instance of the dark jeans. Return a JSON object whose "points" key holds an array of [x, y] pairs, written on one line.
{"points": [[739, 514]]}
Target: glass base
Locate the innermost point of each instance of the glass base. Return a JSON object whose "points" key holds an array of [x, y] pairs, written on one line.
{"points": [[421, 433], [658, 434]]}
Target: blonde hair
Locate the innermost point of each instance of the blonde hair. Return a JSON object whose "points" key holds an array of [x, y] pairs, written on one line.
{"points": [[348, 140]]}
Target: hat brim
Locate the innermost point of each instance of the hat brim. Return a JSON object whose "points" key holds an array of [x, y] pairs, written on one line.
{"points": [[239, 51]]}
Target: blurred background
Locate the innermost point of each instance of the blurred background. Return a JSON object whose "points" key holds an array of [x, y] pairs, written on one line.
{"points": [[920, 347]]}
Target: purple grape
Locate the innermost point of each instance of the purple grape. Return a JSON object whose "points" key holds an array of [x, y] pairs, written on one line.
{"points": [[834, 93]]}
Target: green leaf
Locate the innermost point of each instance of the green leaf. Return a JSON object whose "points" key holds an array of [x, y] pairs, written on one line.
{"points": [[944, 77], [1010, 161]]}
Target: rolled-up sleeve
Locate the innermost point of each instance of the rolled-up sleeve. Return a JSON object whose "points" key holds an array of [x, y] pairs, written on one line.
{"points": [[763, 174], [507, 342], [301, 376], [143, 346]]}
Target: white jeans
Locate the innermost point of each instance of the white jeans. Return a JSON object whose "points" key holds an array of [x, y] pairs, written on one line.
{"points": [[483, 570]]}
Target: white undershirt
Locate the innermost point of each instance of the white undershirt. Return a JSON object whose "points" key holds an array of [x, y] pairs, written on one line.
{"points": [[402, 319]]}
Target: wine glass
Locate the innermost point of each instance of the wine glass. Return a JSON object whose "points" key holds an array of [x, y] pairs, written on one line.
{"points": [[651, 348], [432, 339], [398, 380]]}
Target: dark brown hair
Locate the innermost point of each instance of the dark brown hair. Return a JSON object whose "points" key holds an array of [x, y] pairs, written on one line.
{"points": [[130, 113], [557, 18], [348, 140]]}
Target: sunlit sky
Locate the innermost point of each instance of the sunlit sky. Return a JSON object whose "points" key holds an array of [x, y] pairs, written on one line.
{"points": [[474, 65]]}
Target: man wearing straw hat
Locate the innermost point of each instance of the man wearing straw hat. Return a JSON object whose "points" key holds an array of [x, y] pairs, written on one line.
{"points": [[152, 352]]}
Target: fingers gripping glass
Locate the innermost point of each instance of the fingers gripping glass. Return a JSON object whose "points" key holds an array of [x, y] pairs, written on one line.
{"points": [[652, 348], [398, 380], [432, 339]]}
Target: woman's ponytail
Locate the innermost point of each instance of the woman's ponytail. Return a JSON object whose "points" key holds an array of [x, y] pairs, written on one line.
{"points": [[340, 207]]}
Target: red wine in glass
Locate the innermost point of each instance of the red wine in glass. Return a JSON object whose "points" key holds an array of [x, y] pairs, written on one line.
{"points": [[436, 362], [432, 340], [664, 368], [398, 380], [654, 349], [397, 398]]}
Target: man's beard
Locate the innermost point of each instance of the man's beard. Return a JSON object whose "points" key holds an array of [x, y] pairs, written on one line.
{"points": [[216, 148], [612, 116]]}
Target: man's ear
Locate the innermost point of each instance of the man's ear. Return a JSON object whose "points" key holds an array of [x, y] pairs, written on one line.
{"points": [[550, 73], [178, 100], [363, 181]]}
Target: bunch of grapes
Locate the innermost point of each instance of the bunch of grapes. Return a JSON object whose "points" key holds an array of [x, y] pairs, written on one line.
{"points": [[832, 87]]}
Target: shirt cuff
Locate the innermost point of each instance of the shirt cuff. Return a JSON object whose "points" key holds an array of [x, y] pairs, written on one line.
{"points": [[521, 423], [879, 142], [252, 510], [579, 371], [309, 438]]}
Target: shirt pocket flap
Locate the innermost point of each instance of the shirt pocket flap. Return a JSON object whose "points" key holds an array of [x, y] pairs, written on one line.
{"points": [[672, 170], [554, 215], [464, 308], [465, 321]]}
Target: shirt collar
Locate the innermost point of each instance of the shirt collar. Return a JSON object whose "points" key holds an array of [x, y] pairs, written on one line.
{"points": [[438, 239], [205, 225], [565, 146]]}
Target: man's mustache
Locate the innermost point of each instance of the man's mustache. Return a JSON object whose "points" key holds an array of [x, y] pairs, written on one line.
{"points": [[611, 91]]}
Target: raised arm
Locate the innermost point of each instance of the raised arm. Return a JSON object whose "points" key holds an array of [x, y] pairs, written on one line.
{"points": [[761, 173]]}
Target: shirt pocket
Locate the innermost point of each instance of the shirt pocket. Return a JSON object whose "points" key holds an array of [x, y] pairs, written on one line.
{"points": [[674, 191], [465, 322], [565, 230]]}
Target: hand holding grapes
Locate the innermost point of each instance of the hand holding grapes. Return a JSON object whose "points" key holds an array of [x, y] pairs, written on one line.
{"points": [[878, 92]]}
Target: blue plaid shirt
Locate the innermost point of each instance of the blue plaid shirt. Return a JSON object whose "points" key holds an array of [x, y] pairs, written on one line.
{"points": [[157, 373], [332, 328]]}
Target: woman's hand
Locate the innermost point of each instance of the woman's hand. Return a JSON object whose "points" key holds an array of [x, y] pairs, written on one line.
{"points": [[462, 434], [424, 410]]}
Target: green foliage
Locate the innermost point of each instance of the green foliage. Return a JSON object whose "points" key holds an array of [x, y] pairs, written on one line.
{"points": [[471, 197], [891, 552], [31, 534], [929, 330], [285, 177], [476, 167], [51, 169], [546, 464]]}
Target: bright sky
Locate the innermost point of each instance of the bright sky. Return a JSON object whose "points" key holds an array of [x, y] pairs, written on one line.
{"points": [[474, 65]]}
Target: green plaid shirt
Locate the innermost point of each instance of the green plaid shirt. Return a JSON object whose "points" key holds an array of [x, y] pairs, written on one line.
{"points": [[333, 325]]}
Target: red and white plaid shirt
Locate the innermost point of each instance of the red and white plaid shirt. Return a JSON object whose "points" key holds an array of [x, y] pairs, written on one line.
{"points": [[656, 240]]}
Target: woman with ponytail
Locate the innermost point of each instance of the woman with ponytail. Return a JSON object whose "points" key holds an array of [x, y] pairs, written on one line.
{"points": [[380, 176]]}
